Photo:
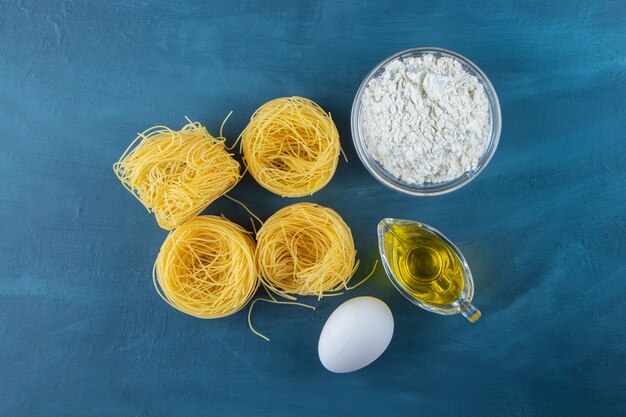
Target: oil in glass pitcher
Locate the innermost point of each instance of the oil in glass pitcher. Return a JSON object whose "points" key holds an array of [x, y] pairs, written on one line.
{"points": [[426, 267]]}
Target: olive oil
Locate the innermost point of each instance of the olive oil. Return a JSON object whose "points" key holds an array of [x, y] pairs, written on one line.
{"points": [[424, 264]]}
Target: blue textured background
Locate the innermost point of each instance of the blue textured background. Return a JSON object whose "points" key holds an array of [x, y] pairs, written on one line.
{"points": [[82, 332]]}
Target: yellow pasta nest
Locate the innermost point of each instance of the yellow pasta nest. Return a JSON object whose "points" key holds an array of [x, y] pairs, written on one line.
{"points": [[206, 268], [177, 174], [305, 249], [291, 146]]}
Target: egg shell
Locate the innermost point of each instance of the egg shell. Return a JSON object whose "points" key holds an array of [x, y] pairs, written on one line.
{"points": [[355, 334]]}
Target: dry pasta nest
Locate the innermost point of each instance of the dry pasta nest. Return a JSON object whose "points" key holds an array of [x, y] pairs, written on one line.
{"points": [[206, 268], [177, 174], [291, 146], [305, 249]]}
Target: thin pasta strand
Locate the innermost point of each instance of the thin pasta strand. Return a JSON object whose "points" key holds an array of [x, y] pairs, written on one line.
{"points": [[271, 300], [245, 208]]}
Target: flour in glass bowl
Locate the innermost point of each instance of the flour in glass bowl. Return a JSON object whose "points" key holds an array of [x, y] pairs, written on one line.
{"points": [[425, 119]]}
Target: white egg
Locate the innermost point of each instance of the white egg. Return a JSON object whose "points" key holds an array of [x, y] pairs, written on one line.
{"points": [[355, 334]]}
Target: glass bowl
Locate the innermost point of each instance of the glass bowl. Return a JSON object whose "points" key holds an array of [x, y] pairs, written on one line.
{"points": [[432, 188]]}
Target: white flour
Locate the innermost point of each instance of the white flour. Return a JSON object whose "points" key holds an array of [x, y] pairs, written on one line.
{"points": [[425, 119]]}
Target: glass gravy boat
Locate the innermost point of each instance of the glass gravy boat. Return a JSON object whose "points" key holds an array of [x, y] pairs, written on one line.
{"points": [[426, 267]]}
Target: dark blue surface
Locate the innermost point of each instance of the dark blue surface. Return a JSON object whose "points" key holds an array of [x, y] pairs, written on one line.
{"points": [[82, 330]]}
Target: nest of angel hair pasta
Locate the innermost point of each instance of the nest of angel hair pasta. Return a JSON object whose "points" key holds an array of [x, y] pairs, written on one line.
{"points": [[305, 249], [177, 173], [206, 268], [291, 146]]}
